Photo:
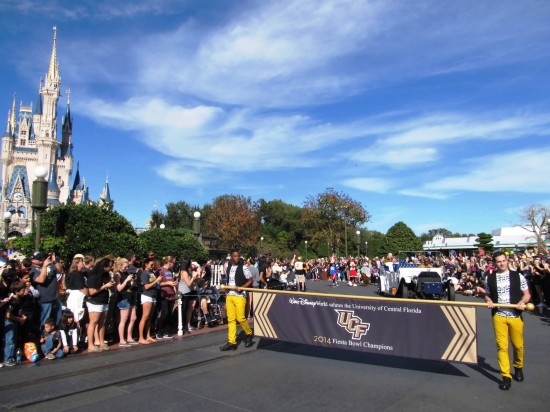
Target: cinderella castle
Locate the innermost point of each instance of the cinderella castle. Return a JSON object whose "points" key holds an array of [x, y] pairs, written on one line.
{"points": [[31, 140]]}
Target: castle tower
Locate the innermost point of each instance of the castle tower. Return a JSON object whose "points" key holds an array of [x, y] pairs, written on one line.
{"points": [[30, 140]]}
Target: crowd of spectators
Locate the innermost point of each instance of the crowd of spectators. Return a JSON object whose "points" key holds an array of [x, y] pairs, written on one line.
{"points": [[93, 303]]}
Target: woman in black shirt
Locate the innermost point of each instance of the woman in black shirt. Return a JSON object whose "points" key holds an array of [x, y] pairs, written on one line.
{"points": [[151, 285], [77, 289], [99, 283]]}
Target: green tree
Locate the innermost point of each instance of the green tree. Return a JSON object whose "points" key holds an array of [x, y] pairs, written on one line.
{"points": [[179, 215], [375, 241], [281, 225], [179, 243], [157, 218], [433, 232], [485, 241], [88, 229], [400, 237], [329, 215]]}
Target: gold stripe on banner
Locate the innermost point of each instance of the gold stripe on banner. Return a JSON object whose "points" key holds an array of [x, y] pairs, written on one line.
{"points": [[262, 325], [462, 347]]}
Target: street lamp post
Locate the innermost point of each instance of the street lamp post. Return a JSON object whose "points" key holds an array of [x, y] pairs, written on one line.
{"points": [[197, 223], [366, 249], [306, 249], [7, 220], [39, 201], [346, 237], [261, 244], [358, 233]]}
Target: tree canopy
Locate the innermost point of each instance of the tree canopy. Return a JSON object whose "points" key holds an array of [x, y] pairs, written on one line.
{"points": [[485, 241], [329, 215], [71, 229], [400, 237], [179, 243], [234, 221]]}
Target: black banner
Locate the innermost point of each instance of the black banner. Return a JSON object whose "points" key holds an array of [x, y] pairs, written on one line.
{"points": [[397, 328]]}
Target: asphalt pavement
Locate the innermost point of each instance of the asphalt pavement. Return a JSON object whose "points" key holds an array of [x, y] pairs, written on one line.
{"points": [[191, 373]]}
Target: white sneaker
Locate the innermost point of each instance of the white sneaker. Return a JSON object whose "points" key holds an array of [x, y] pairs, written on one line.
{"points": [[350, 284]]}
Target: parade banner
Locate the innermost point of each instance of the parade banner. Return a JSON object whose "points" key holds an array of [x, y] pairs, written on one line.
{"points": [[385, 326]]}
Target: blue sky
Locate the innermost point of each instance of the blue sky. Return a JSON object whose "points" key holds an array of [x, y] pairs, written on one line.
{"points": [[428, 112]]}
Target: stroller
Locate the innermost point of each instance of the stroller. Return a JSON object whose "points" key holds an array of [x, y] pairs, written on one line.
{"points": [[213, 300]]}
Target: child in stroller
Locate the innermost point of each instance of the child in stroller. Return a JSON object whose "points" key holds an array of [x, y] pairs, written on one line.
{"points": [[210, 309]]}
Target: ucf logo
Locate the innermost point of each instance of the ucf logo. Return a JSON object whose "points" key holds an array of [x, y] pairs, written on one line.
{"points": [[353, 324]]}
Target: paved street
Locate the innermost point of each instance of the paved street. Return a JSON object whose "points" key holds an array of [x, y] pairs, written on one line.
{"points": [[191, 373]]}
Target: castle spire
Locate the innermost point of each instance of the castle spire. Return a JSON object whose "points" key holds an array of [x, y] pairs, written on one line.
{"points": [[77, 184], [12, 116], [8, 128], [38, 107], [53, 70], [53, 187], [67, 121]]}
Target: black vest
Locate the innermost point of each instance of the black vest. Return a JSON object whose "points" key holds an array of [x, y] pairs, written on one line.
{"points": [[515, 288], [240, 279]]}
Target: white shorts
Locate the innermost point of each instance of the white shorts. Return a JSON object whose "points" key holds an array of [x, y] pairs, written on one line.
{"points": [[147, 299], [95, 308]]}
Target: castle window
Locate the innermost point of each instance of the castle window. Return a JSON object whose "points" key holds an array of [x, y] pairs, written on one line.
{"points": [[22, 212]]}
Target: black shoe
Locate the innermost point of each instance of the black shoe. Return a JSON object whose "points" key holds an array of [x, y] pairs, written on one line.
{"points": [[505, 384], [248, 342], [518, 376], [228, 346]]}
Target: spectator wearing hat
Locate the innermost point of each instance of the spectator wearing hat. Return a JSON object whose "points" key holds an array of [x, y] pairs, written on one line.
{"points": [[44, 272]]}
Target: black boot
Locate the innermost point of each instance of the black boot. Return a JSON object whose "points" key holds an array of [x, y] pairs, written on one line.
{"points": [[248, 342], [228, 346], [518, 376], [505, 384]]}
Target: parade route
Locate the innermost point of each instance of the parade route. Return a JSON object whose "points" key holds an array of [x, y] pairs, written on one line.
{"points": [[191, 373]]}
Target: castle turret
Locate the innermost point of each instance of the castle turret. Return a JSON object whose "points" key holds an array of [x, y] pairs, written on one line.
{"points": [[7, 148], [105, 197], [53, 187]]}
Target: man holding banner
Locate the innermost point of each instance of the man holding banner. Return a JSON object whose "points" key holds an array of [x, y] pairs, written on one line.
{"points": [[507, 286], [238, 276]]}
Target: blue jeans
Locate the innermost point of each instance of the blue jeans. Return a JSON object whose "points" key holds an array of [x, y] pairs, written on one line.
{"points": [[47, 347], [50, 309], [10, 340]]}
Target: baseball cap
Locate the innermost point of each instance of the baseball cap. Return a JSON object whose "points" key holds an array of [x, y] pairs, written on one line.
{"points": [[38, 256]]}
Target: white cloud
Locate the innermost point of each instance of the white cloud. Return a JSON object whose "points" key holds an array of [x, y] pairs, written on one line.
{"points": [[523, 171], [271, 55], [396, 156], [231, 140], [420, 140], [99, 9], [366, 184], [422, 193]]}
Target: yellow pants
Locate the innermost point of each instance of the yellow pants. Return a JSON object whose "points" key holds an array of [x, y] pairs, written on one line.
{"points": [[234, 307], [508, 328]]}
